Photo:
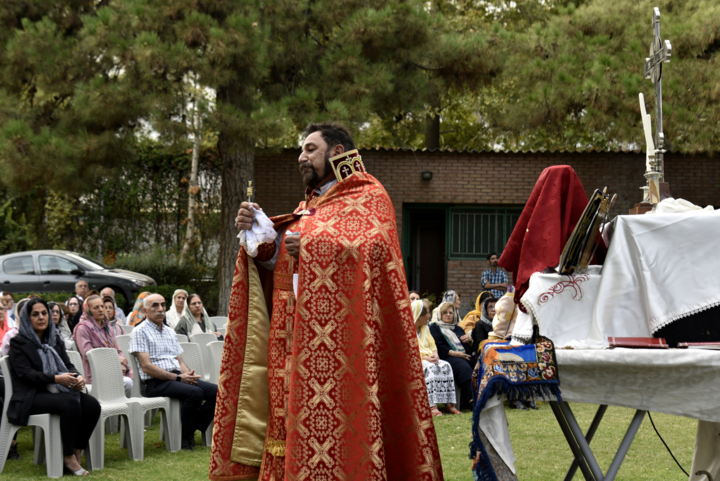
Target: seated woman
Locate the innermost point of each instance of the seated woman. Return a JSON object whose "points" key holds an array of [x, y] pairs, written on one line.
{"points": [[111, 313], [438, 374], [61, 326], [453, 298], [94, 331], [137, 316], [455, 347], [45, 381], [195, 320], [177, 309], [472, 317], [484, 327], [74, 304]]}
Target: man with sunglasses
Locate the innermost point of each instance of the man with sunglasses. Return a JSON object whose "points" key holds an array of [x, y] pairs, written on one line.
{"points": [[164, 374]]}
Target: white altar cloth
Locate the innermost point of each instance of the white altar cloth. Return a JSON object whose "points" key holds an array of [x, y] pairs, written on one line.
{"points": [[659, 268], [683, 382]]}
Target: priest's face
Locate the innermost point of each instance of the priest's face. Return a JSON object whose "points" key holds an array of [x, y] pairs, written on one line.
{"points": [[314, 161]]}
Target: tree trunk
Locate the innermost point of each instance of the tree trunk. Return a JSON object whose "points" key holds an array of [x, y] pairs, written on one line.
{"points": [[238, 168], [193, 189], [432, 127]]}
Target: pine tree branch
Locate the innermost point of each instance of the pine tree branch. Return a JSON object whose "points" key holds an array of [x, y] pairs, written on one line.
{"points": [[424, 67]]}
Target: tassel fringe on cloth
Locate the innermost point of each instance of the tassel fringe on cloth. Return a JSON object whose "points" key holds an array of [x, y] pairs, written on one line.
{"points": [[518, 372]]}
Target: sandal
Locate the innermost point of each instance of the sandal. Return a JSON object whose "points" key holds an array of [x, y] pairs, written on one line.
{"points": [[435, 412], [452, 410]]}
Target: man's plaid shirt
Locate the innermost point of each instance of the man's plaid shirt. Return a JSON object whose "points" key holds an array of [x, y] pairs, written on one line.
{"points": [[498, 277], [163, 347]]}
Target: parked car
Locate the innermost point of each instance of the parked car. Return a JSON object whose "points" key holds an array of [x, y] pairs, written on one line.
{"points": [[58, 271]]}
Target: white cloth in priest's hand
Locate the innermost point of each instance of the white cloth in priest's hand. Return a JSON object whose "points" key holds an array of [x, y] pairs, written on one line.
{"points": [[562, 307], [678, 206], [658, 269], [262, 232]]}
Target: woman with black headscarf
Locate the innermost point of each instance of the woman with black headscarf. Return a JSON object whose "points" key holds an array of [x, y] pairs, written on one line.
{"points": [[45, 381]]}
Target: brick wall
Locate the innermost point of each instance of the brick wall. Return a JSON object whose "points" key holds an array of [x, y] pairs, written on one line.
{"points": [[492, 179]]}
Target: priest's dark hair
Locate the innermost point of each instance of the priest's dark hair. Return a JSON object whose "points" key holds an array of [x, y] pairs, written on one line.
{"points": [[333, 133]]}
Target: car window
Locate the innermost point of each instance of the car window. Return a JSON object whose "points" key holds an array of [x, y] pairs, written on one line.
{"points": [[90, 264], [19, 266], [56, 265]]}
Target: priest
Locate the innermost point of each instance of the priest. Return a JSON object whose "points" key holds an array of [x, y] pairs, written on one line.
{"points": [[321, 376]]}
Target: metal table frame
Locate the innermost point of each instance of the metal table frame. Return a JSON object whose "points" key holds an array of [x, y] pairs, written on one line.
{"points": [[580, 444]]}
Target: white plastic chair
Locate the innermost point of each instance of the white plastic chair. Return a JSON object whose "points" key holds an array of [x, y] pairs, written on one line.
{"points": [[76, 359], [219, 320], [221, 330], [203, 340], [128, 329], [216, 349], [124, 343], [49, 423], [192, 357], [182, 338], [109, 390], [73, 347], [171, 410]]}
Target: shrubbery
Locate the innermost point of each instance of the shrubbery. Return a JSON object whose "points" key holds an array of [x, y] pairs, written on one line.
{"points": [[164, 267]]}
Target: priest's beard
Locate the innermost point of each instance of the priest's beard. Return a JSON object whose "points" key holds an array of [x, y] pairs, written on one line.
{"points": [[311, 178]]}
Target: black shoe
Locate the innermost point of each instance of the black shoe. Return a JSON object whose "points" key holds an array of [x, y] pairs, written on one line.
{"points": [[187, 445], [13, 453], [532, 405], [518, 405]]}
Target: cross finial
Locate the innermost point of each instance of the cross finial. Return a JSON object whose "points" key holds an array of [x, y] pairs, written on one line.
{"points": [[250, 191], [660, 52]]}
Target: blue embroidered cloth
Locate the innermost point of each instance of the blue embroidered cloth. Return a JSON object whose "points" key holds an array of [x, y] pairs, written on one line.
{"points": [[519, 372]]}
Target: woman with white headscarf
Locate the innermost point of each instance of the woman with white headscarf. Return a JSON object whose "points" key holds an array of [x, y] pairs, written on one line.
{"points": [[453, 298], [438, 373], [455, 347], [177, 308], [195, 319]]}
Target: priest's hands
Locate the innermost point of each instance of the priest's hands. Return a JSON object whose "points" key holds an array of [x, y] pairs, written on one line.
{"points": [[292, 244], [245, 217]]}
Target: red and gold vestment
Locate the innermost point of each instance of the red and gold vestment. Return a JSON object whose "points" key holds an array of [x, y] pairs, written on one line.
{"points": [[347, 396]]}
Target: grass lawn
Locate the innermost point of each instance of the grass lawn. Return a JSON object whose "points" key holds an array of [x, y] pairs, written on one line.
{"points": [[542, 454], [540, 449]]}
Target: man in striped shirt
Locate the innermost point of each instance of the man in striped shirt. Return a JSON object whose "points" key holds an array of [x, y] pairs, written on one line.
{"points": [[164, 373]]}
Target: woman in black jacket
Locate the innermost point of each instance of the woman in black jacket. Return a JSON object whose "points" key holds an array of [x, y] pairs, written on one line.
{"points": [[45, 381], [455, 347]]}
